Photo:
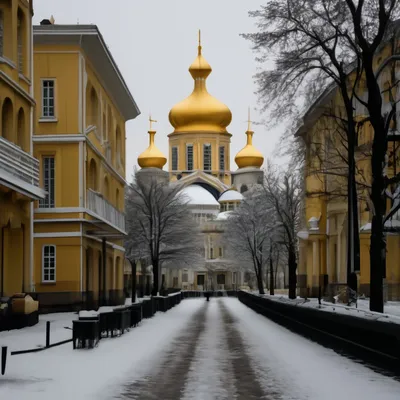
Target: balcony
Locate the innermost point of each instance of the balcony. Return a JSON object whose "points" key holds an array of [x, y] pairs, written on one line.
{"points": [[107, 212], [19, 170]]}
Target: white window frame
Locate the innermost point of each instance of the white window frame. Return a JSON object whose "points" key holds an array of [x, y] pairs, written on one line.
{"points": [[43, 116], [55, 264], [187, 156], [172, 158], [204, 164], [45, 203]]}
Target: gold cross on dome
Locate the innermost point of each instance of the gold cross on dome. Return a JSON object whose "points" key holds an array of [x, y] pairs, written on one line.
{"points": [[199, 37], [151, 121], [248, 121]]}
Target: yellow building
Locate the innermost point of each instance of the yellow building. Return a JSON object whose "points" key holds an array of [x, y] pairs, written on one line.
{"points": [[83, 103], [323, 239], [19, 171], [199, 159]]}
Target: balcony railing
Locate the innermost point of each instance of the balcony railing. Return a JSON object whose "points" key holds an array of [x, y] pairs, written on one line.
{"points": [[18, 163], [96, 203]]}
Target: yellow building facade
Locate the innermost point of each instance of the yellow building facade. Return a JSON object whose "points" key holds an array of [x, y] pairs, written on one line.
{"points": [[19, 170], [323, 238], [82, 103]]}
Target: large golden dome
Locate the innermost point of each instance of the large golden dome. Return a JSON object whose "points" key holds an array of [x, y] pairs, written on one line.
{"points": [[200, 112], [152, 157], [249, 156]]}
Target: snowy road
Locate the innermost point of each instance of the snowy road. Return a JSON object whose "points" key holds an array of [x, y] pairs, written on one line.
{"points": [[229, 352], [198, 350]]}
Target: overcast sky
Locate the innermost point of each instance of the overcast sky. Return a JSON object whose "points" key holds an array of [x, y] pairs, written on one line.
{"points": [[155, 41]]}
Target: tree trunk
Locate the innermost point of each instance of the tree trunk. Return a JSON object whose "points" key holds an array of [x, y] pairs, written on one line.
{"points": [[379, 149], [292, 273], [353, 237], [156, 273], [271, 273], [133, 279], [377, 249], [356, 238], [260, 280]]}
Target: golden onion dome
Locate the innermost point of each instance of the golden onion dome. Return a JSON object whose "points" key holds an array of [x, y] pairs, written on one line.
{"points": [[249, 156], [152, 157], [200, 112]]}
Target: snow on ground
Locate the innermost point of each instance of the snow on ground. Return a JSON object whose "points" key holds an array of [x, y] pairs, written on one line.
{"points": [[391, 312], [223, 346], [303, 369], [35, 336], [63, 373]]}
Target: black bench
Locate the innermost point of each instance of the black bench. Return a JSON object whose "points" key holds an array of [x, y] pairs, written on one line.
{"points": [[85, 332]]}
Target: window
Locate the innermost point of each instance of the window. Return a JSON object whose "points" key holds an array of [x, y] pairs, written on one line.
{"points": [[48, 110], [207, 157], [174, 159], [189, 157], [211, 253], [175, 282], [49, 264], [222, 158], [1, 32], [185, 277], [48, 183], [220, 251]]}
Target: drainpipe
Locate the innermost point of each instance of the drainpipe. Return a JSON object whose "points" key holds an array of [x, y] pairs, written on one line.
{"points": [[2, 262], [23, 258], [104, 251], [31, 272]]}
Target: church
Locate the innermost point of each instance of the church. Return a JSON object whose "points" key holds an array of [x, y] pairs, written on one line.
{"points": [[199, 159]]}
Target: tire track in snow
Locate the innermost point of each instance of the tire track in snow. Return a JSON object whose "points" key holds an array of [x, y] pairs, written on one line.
{"points": [[167, 381], [247, 385], [211, 374]]}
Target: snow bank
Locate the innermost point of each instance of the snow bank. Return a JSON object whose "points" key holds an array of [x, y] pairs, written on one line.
{"points": [[64, 373], [360, 312], [35, 336], [88, 314]]}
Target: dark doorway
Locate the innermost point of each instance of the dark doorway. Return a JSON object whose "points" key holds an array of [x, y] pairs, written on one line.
{"points": [[200, 280]]}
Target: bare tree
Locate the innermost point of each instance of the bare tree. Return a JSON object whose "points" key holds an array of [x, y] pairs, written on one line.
{"points": [[282, 194], [160, 227], [320, 45], [247, 232]]}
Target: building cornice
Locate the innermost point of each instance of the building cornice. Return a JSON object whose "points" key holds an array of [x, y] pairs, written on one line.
{"points": [[17, 88], [91, 41]]}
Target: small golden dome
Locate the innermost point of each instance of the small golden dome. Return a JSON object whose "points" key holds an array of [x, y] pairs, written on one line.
{"points": [[200, 112], [249, 156], [152, 157]]}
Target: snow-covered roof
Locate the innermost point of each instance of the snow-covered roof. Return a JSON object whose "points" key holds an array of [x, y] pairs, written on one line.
{"points": [[231, 195], [223, 216], [197, 195]]}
